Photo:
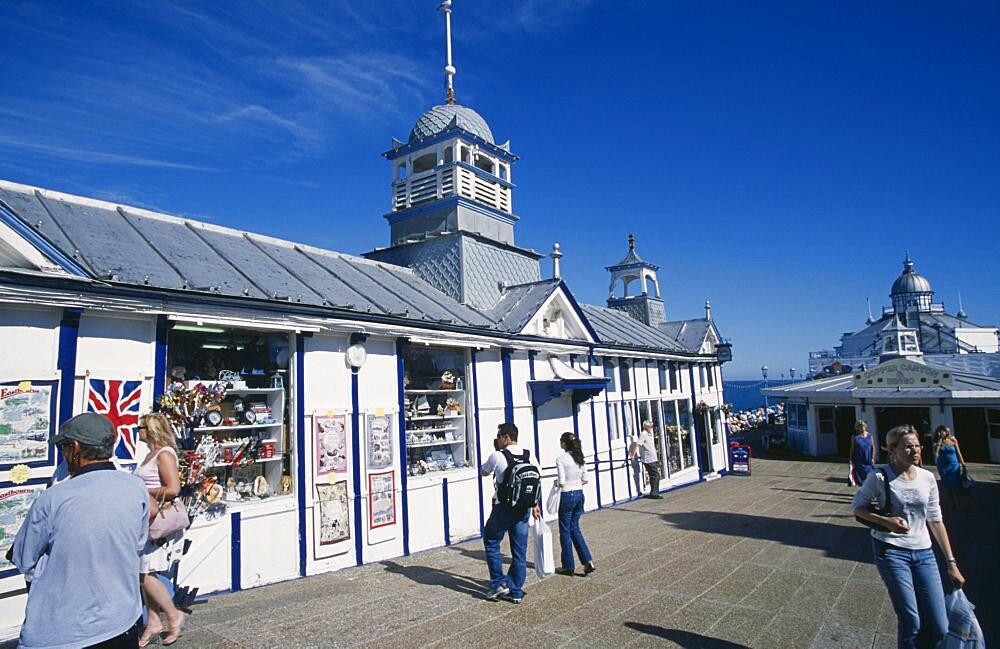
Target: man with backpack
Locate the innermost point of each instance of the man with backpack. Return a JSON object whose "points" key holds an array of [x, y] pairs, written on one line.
{"points": [[518, 485]]}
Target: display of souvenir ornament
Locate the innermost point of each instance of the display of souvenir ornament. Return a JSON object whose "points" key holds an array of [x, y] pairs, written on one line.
{"points": [[423, 406], [244, 415], [451, 405], [447, 380], [260, 486], [286, 485], [213, 416]]}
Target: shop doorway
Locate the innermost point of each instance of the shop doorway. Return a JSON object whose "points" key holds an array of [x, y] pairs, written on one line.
{"points": [[843, 422], [971, 432], [919, 418], [704, 433]]}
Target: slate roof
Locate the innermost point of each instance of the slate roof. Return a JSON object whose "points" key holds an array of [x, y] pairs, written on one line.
{"points": [[689, 334], [615, 327], [138, 247], [965, 385], [519, 303]]}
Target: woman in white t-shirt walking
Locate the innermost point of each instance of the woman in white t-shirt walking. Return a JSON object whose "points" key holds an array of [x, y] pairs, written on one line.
{"points": [[572, 476], [903, 555]]}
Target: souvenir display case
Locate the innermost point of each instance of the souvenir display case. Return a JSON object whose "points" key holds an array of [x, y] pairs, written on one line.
{"points": [[434, 410], [242, 443]]}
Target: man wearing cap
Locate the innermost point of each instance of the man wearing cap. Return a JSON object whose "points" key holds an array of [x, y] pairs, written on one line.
{"points": [[88, 531]]}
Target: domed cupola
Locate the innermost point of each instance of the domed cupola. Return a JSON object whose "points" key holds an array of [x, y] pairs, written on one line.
{"points": [[448, 117], [451, 218], [911, 291]]}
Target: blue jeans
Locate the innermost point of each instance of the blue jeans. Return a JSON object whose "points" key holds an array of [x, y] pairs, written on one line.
{"points": [[570, 536], [504, 520], [914, 585]]}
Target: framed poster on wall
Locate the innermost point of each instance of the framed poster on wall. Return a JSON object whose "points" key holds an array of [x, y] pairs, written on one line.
{"points": [[332, 519], [379, 440], [27, 421], [381, 499], [331, 443], [15, 501]]}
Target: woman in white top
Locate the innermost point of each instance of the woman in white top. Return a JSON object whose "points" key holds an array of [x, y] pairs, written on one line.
{"points": [[159, 471], [572, 476], [903, 554]]}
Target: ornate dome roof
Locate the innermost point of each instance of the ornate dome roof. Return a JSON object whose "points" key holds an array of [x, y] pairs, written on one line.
{"points": [[910, 281], [438, 119]]}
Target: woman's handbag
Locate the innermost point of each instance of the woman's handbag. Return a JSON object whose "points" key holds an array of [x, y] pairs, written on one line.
{"points": [[552, 501], [876, 508], [967, 483], [171, 517]]}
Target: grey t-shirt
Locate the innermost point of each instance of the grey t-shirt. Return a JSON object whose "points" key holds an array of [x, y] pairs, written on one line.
{"points": [[914, 500], [647, 448]]}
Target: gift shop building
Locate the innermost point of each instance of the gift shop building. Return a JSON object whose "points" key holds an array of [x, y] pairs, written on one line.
{"points": [[361, 393]]}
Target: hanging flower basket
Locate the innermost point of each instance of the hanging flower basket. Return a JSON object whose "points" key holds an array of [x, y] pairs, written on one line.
{"points": [[701, 408]]}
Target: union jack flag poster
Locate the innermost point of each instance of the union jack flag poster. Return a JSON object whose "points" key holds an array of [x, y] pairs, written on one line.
{"points": [[119, 402]]}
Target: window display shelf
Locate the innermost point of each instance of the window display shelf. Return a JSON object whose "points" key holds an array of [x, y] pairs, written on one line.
{"points": [[435, 417], [442, 442], [212, 429], [442, 429], [219, 465], [438, 391]]}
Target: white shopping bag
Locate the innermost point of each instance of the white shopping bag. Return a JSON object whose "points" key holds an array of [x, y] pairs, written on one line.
{"points": [[964, 631], [545, 563], [552, 501]]}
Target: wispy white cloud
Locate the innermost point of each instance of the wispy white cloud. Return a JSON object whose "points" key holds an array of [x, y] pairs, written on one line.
{"points": [[99, 157]]}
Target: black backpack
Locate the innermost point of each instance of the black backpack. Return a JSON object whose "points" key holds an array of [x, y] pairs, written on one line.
{"points": [[521, 483]]}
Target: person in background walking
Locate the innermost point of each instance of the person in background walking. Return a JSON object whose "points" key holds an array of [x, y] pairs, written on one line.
{"points": [[903, 555], [572, 475], [949, 461], [89, 531], [159, 472], [645, 447], [862, 452]]}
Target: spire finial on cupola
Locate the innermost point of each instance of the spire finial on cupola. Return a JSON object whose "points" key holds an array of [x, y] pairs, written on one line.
{"points": [[870, 319], [708, 311], [961, 312], [449, 69], [631, 241]]}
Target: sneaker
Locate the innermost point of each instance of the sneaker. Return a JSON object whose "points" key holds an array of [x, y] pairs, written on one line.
{"points": [[589, 568], [654, 496], [507, 597], [564, 571], [495, 593]]}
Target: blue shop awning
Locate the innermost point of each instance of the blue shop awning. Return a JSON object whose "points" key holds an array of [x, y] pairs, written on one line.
{"points": [[582, 385]]}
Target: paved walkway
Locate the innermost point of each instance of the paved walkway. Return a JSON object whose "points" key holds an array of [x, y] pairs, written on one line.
{"points": [[773, 560]]}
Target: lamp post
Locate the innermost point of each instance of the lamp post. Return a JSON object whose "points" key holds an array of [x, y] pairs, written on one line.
{"points": [[791, 373], [763, 371]]}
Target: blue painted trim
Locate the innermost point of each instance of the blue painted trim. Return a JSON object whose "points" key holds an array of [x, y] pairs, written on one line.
{"points": [[69, 333], [531, 363], [404, 500], [300, 446], [628, 465], [534, 428], [611, 458], [508, 386], [576, 420], [449, 134], [446, 202], [236, 554], [32, 236], [479, 448], [163, 326], [593, 430], [697, 426], [447, 519], [356, 459]]}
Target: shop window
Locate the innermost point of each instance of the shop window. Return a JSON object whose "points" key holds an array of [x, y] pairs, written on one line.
{"points": [[673, 376], [242, 443], [434, 403], [424, 163], [661, 370], [609, 373], [631, 424], [684, 425], [825, 420], [626, 374], [650, 410], [993, 422], [672, 433], [614, 423], [710, 372]]}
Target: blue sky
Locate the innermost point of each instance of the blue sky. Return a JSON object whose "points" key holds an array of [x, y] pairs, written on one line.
{"points": [[777, 158]]}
